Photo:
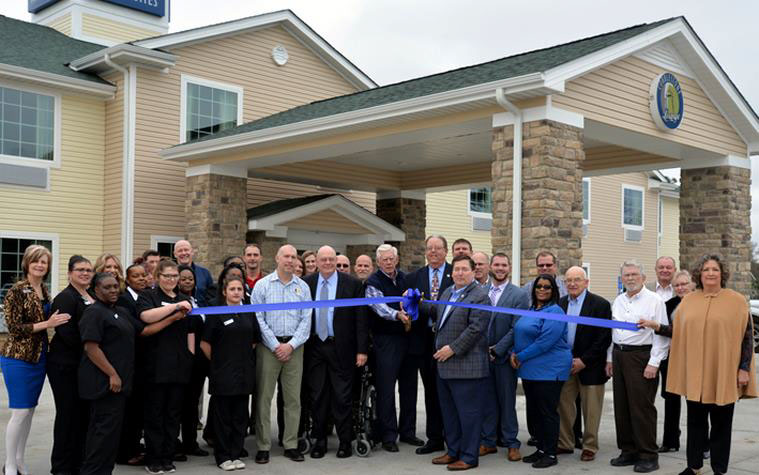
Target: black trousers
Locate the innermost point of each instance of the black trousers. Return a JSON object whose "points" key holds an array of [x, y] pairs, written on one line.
{"points": [[542, 399], [71, 419], [428, 372], [394, 364], [134, 416], [330, 386], [163, 409], [230, 420], [103, 433], [672, 407], [193, 393], [721, 417], [634, 409]]}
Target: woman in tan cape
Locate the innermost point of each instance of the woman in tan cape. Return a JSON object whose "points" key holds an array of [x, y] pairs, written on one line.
{"points": [[711, 362]]}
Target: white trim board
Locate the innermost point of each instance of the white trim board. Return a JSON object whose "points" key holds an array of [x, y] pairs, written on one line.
{"points": [[189, 79], [548, 112]]}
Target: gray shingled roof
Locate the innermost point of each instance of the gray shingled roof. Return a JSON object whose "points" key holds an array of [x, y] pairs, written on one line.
{"points": [[279, 206], [42, 48], [518, 65]]}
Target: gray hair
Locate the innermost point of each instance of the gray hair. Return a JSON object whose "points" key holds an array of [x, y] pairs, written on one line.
{"points": [[385, 248], [666, 257], [631, 263], [682, 273]]}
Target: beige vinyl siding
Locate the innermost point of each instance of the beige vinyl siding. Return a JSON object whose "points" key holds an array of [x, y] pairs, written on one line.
{"points": [[116, 31], [72, 208], [670, 236], [62, 24], [328, 221], [618, 95], [448, 216], [605, 248], [113, 171], [243, 60]]}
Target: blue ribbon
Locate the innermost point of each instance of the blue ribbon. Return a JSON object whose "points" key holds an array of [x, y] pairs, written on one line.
{"points": [[410, 303]]}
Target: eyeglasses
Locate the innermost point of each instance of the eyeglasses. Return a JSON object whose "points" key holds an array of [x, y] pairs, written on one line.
{"points": [[544, 265], [342, 266], [83, 271], [170, 276], [544, 287]]}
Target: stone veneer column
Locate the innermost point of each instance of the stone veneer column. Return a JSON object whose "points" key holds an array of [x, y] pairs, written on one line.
{"points": [[407, 211], [715, 218], [355, 250], [216, 217], [551, 192]]}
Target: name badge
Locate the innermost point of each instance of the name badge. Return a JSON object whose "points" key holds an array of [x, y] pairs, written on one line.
{"points": [[164, 304], [86, 302], [228, 322], [26, 291]]}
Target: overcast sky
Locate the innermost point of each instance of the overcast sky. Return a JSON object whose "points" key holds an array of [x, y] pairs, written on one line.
{"points": [[392, 40]]}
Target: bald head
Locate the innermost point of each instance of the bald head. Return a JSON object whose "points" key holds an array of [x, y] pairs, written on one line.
{"points": [[577, 281], [326, 260], [481, 267], [183, 252], [343, 264], [285, 258], [363, 267]]}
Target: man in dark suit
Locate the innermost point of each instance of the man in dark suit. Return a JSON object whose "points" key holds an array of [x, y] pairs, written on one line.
{"points": [[432, 280], [588, 374], [461, 353], [500, 410], [339, 342]]}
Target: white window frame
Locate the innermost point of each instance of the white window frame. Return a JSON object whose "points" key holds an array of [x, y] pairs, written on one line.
{"points": [[53, 238], [157, 238], [642, 204], [587, 180], [38, 162], [187, 79], [477, 214]]}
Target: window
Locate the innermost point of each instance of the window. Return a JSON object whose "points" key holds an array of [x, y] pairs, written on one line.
{"points": [[208, 107], [480, 200], [12, 252], [632, 207], [27, 124], [586, 268], [164, 245], [586, 200]]}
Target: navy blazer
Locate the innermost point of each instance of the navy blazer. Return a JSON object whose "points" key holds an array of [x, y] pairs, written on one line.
{"points": [[501, 327], [464, 331], [591, 343], [420, 279]]}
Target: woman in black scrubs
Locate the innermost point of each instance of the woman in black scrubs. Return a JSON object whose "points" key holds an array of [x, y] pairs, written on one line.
{"points": [[229, 341], [168, 366], [191, 402], [130, 452], [105, 372], [70, 427]]}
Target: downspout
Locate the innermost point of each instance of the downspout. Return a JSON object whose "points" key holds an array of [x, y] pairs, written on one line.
{"points": [[127, 181], [516, 192]]}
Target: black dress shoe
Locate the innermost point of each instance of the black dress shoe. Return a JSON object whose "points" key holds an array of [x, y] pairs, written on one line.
{"points": [[533, 457], [623, 460], [318, 451], [687, 471], [262, 456], [344, 451], [532, 441], [430, 447], [294, 455], [390, 446], [646, 466], [415, 441], [545, 461], [664, 449]]}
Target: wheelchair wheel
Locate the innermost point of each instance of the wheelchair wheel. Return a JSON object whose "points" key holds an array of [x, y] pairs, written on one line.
{"points": [[304, 445], [362, 447]]}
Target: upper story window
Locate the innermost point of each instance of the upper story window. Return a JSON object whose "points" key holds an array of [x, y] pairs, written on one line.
{"points": [[209, 107], [27, 124], [480, 200], [11, 253], [632, 207]]}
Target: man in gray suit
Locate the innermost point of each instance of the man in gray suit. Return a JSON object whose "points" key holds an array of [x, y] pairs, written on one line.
{"points": [[462, 365], [500, 405]]}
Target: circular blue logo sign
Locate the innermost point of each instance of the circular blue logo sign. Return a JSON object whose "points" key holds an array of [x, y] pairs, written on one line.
{"points": [[666, 102]]}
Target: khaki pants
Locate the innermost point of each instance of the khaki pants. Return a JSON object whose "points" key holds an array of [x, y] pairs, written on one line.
{"points": [[268, 369], [592, 402]]}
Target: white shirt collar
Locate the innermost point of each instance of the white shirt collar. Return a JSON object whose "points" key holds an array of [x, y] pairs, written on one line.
{"points": [[133, 293]]}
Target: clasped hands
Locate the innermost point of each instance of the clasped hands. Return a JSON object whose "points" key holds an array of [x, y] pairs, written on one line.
{"points": [[283, 352]]}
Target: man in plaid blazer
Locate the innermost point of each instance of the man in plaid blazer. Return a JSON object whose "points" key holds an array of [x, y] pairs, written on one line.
{"points": [[462, 361]]}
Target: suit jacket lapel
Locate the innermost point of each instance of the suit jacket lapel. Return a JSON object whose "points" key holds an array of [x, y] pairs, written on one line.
{"points": [[505, 294], [463, 296]]}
